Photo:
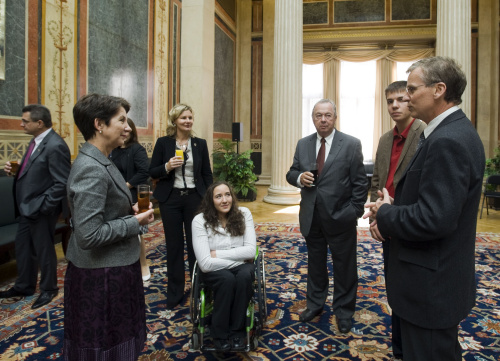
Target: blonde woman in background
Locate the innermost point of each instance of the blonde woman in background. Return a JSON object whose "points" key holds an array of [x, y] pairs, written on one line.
{"points": [[182, 182]]}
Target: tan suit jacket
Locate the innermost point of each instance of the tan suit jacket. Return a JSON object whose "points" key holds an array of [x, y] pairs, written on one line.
{"points": [[383, 157]]}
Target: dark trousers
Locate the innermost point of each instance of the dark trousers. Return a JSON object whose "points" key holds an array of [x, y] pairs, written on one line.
{"points": [[397, 348], [177, 213], [232, 290], [345, 274], [35, 248], [422, 344]]}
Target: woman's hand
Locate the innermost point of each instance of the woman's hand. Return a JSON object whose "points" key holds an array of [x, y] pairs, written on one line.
{"points": [[213, 253], [174, 162], [141, 216], [145, 217]]}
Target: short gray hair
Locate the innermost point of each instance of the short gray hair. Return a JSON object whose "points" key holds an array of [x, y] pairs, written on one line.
{"points": [[446, 70], [325, 101]]}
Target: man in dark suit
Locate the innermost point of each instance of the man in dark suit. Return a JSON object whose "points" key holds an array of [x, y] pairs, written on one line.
{"points": [[432, 223], [329, 210], [39, 192], [395, 150]]}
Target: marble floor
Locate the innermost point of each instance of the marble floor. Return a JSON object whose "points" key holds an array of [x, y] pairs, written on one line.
{"points": [[264, 213]]}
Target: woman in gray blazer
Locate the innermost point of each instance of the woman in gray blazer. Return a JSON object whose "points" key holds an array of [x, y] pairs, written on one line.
{"points": [[104, 308]]}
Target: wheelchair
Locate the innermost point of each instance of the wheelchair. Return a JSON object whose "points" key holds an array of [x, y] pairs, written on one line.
{"points": [[201, 308]]}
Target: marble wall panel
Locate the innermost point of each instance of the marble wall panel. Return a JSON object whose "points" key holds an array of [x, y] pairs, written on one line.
{"points": [[118, 52], [315, 13], [223, 82], [411, 10], [358, 11], [12, 89]]}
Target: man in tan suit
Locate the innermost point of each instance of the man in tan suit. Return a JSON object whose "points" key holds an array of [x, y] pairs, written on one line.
{"points": [[394, 152]]}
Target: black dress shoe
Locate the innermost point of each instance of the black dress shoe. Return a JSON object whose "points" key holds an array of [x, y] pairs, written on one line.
{"points": [[221, 344], [344, 324], [44, 299], [12, 293], [238, 344], [308, 315]]}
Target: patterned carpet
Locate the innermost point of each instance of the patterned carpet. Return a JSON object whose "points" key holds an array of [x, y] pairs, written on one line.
{"points": [[37, 335]]}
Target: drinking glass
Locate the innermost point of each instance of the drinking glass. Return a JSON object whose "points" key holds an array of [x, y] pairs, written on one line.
{"points": [[143, 197], [313, 168], [14, 163]]}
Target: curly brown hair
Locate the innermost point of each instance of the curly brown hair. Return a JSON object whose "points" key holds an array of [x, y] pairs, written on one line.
{"points": [[235, 225]]}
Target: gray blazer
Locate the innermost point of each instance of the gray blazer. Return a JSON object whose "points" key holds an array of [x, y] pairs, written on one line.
{"points": [[340, 193], [105, 232], [383, 157]]}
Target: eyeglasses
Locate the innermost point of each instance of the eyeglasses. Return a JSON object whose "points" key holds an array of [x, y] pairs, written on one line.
{"points": [[319, 116], [411, 89]]}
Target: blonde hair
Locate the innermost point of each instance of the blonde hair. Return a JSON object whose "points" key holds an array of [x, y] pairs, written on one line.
{"points": [[173, 115]]}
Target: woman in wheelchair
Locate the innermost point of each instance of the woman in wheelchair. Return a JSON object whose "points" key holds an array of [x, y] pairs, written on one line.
{"points": [[224, 244]]}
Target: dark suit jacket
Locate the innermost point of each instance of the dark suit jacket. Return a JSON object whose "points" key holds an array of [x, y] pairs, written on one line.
{"points": [[432, 225], [342, 187], [163, 151], [383, 157], [41, 188]]}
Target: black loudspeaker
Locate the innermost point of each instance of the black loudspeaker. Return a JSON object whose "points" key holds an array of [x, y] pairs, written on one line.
{"points": [[237, 132]]}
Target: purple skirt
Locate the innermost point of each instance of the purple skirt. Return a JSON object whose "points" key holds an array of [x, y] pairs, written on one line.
{"points": [[104, 313]]}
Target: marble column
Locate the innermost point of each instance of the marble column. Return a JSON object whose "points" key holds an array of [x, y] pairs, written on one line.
{"points": [[453, 39], [197, 64], [287, 100], [487, 75]]}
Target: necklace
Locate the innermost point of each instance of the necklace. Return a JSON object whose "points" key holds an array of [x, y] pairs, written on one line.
{"points": [[182, 145]]}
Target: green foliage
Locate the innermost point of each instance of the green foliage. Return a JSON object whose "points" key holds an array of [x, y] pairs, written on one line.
{"points": [[234, 168], [492, 167], [493, 164]]}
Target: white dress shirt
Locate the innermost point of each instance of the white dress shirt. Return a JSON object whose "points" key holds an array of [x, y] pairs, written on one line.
{"points": [[328, 145]]}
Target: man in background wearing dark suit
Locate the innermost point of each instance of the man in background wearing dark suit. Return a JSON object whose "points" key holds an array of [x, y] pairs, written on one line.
{"points": [[329, 211], [431, 282], [39, 192], [395, 150]]}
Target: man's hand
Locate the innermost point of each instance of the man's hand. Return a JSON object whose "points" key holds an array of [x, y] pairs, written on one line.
{"points": [[7, 168], [375, 232], [374, 206], [307, 179]]}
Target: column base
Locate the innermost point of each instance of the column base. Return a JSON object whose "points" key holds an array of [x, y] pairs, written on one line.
{"points": [[290, 196]]}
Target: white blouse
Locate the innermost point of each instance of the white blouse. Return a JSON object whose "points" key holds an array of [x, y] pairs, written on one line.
{"points": [[231, 251]]}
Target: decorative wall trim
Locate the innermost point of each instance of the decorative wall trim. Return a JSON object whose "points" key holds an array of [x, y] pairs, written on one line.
{"points": [[161, 69], [349, 35]]}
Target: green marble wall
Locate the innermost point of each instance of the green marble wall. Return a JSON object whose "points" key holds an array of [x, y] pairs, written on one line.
{"points": [[223, 82], [12, 89], [411, 10], [118, 52], [358, 11], [315, 13]]}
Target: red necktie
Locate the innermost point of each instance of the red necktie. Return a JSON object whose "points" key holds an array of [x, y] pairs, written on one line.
{"points": [[27, 158], [321, 156]]}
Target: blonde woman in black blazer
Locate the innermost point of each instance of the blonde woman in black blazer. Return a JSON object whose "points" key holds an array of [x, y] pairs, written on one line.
{"points": [[182, 182]]}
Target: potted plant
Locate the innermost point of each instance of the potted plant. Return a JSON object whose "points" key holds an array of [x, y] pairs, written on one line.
{"points": [[236, 169], [493, 167]]}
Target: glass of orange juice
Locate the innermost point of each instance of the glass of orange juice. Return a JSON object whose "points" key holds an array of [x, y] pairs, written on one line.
{"points": [[179, 153]]}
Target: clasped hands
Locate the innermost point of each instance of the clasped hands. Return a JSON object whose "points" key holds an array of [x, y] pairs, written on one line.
{"points": [[384, 198]]}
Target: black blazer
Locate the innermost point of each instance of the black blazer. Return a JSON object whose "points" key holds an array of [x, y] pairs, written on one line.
{"points": [[431, 274], [163, 151], [132, 162]]}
